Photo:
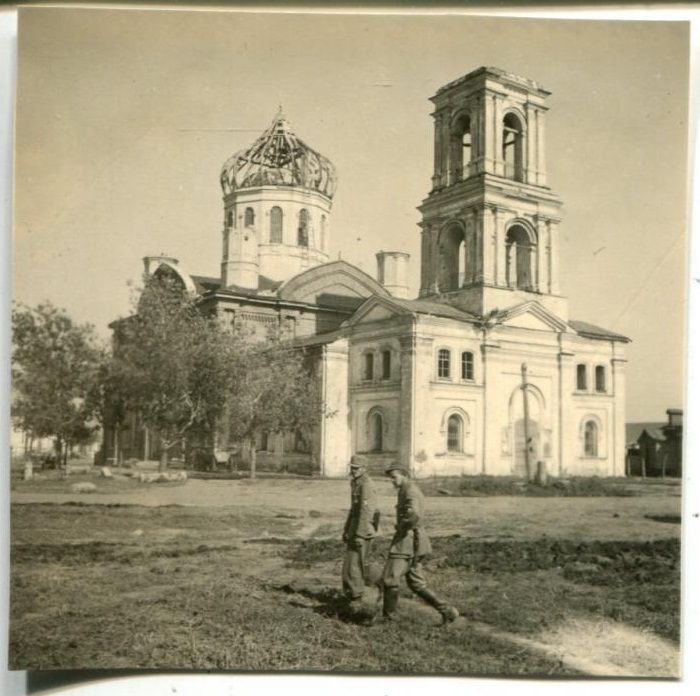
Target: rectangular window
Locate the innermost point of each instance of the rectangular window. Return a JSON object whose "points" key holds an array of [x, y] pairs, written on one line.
{"points": [[386, 364], [468, 365], [444, 363], [369, 366], [581, 381], [600, 378]]}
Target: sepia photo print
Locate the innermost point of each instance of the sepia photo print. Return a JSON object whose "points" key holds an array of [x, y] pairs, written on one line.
{"points": [[348, 343]]}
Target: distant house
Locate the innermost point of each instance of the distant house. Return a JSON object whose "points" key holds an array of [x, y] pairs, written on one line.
{"points": [[658, 450]]}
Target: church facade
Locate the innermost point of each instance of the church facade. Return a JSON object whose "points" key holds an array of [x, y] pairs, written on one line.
{"points": [[484, 372]]}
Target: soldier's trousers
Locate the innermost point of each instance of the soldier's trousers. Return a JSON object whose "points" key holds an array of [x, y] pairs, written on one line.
{"points": [[399, 566], [354, 569]]}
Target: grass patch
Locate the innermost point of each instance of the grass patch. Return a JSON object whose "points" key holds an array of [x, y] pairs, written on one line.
{"points": [[482, 485], [215, 618], [525, 586], [96, 586]]}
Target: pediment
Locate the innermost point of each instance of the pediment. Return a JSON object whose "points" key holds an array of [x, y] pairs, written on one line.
{"points": [[375, 309], [532, 316]]}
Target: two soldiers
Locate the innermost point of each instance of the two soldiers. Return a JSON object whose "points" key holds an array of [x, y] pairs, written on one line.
{"points": [[409, 546]]}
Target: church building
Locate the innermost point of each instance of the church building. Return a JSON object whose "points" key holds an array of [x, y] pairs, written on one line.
{"points": [[484, 372]]}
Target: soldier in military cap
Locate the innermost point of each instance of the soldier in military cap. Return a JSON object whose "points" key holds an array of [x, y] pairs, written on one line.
{"points": [[408, 548], [359, 529]]}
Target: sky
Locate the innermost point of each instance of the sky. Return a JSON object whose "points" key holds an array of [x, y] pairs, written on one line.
{"points": [[124, 119]]}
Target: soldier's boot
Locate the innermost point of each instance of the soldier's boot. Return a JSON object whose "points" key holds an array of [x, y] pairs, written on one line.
{"points": [[354, 604], [447, 611], [391, 602]]}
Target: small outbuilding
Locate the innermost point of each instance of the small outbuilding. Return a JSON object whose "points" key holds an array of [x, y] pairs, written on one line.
{"points": [[658, 451]]}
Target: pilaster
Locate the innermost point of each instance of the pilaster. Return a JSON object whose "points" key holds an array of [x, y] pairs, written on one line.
{"points": [[566, 437], [425, 249], [541, 160], [619, 369], [531, 150], [542, 271], [553, 236], [415, 360], [334, 435], [491, 408]]}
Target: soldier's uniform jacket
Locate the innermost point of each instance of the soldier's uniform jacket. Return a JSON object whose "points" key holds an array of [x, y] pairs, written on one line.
{"points": [[363, 504], [410, 539]]}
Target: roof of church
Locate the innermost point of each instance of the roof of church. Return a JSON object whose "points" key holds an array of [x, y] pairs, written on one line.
{"points": [[583, 328], [438, 309], [207, 283], [279, 158]]}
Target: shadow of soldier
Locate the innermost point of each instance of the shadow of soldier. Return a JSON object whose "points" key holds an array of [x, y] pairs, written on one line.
{"points": [[327, 601]]}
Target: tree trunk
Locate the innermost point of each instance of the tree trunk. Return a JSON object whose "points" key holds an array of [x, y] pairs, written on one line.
{"points": [[279, 450], [146, 444], [253, 458], [164, 455], [163, 464], [120, 438]]}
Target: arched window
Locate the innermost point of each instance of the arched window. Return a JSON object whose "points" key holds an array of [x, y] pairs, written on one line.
{"points": [[520, 256], [443, 366], [461, 147], [468, 365], [276, 225], [600, 378], [249, 217], [452, 259], [368, 366], [323, 233], [455, 433], [376, 432], [513, 147], [303, 231], [581, 377], [590, 439]]}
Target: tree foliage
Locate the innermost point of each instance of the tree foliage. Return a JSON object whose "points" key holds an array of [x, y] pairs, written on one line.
{"points": [[55, 365], [274, 389], [171, 363], [185, 374]]}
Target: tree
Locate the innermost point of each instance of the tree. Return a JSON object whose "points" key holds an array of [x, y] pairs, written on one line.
{"points": [[274, 389], [109, 398], [54, 368], [172, 363]]}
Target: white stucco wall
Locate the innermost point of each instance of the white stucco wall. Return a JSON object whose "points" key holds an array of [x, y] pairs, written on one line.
{"points": [[416, 403]]}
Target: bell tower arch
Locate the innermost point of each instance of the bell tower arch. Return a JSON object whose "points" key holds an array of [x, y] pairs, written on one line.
{"points": [[490, 223]]}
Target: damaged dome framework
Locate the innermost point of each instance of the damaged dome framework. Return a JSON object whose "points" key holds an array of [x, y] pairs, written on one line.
{"points": [[279, 158]]}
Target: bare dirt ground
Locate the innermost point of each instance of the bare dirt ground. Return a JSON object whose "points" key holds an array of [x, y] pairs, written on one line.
{"points": [[242, 574]]}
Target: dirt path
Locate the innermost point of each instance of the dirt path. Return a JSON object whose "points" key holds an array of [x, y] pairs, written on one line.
{"points": [[483, 518]]}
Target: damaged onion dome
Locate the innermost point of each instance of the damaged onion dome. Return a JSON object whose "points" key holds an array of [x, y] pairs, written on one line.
{"points": [[279, 158]]}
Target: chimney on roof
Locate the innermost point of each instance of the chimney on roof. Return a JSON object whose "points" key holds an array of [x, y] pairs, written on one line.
{"points": [[392, 272]]}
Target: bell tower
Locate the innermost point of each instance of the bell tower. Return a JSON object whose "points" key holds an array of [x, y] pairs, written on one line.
{"points": [[490, 223]]}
